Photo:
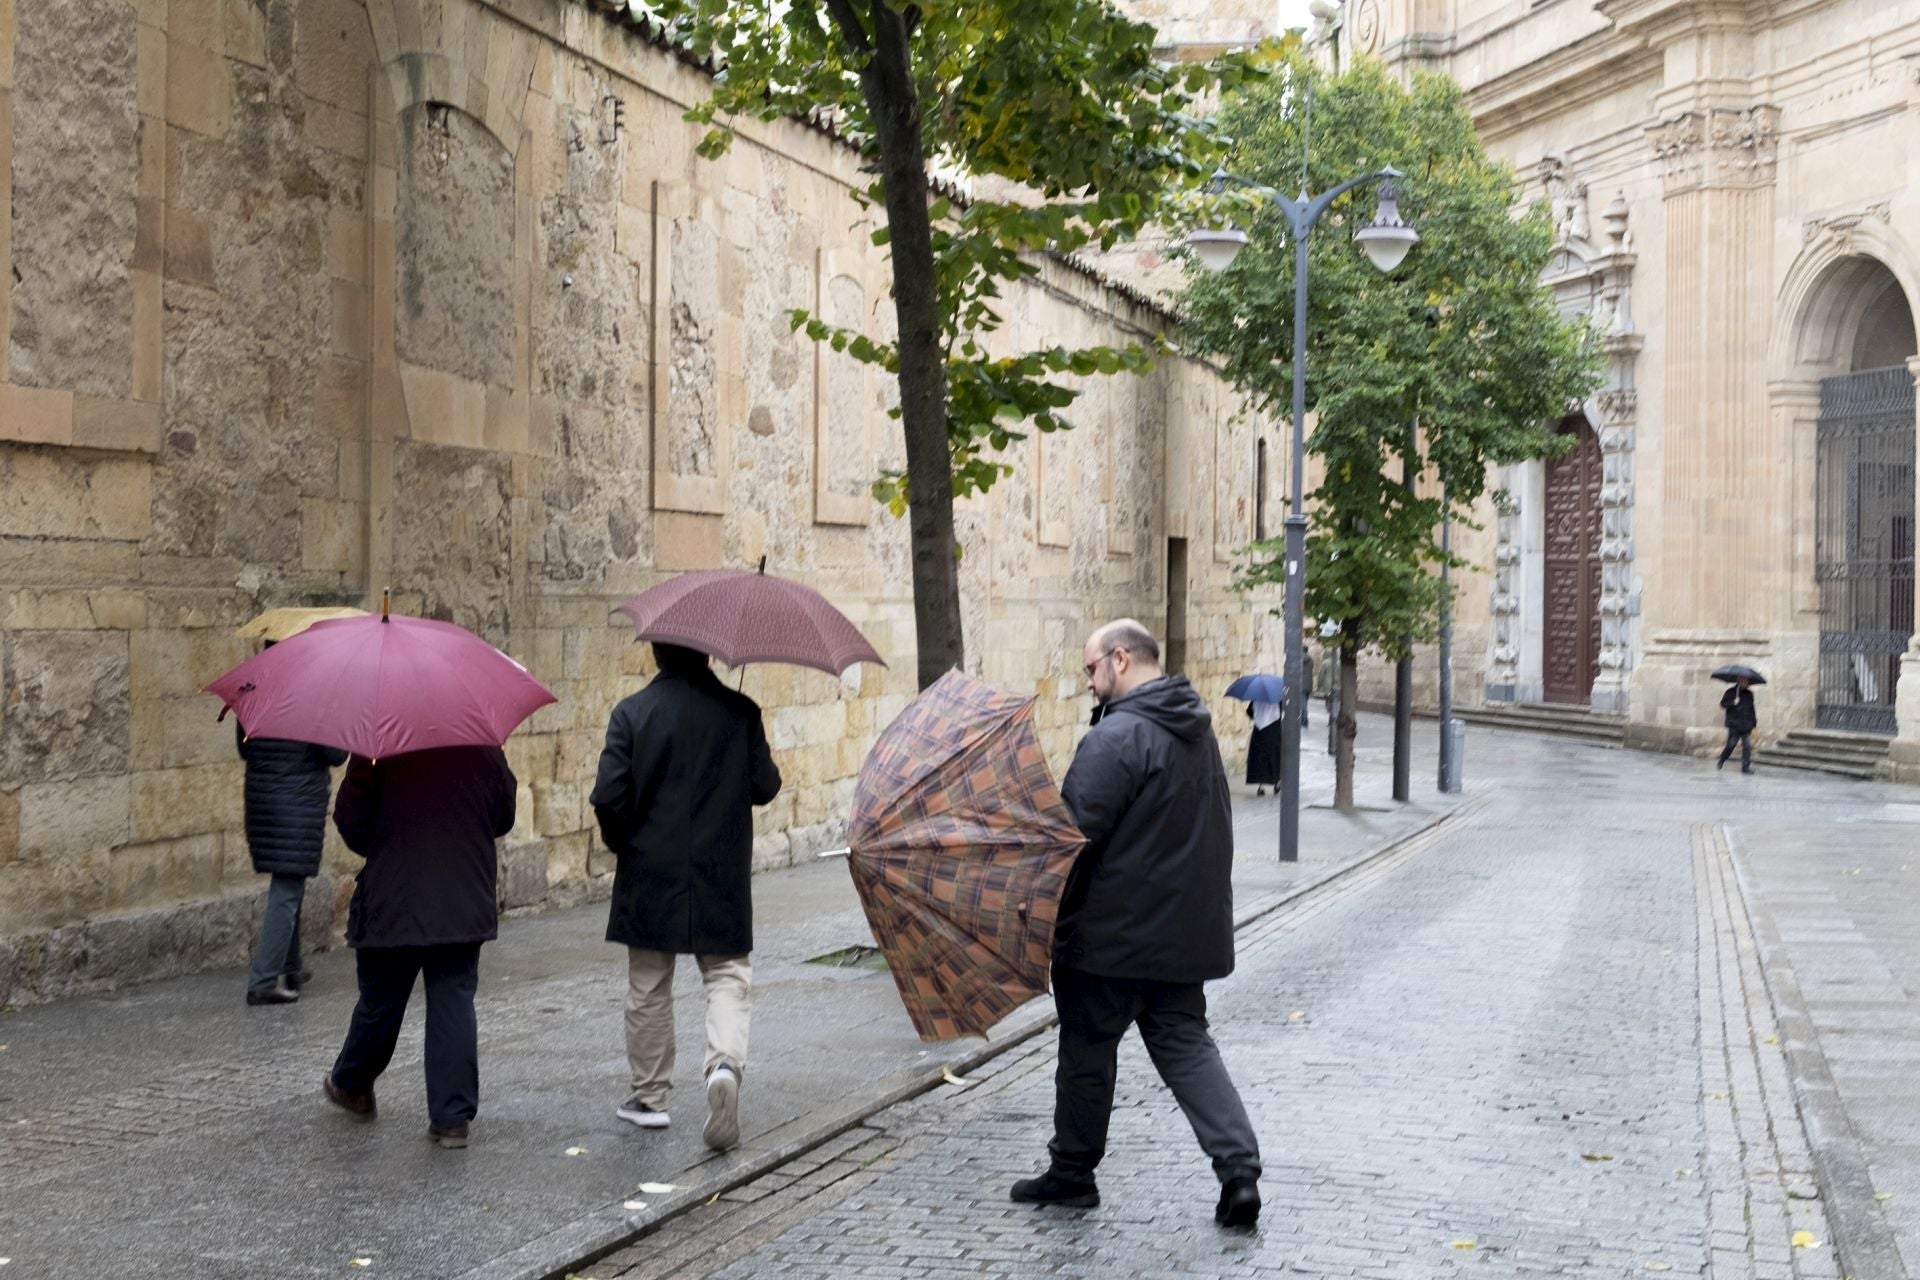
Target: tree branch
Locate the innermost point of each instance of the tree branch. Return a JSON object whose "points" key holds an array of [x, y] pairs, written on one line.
{"points": [[852, 30]]}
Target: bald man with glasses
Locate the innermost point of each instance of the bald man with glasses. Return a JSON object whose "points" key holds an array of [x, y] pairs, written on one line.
{"points": [[1146, 920]]}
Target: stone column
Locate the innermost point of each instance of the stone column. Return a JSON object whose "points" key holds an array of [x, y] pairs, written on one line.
{"points": [[1793, 588], [1903, 754], [1619, 594], [1717, 530]]}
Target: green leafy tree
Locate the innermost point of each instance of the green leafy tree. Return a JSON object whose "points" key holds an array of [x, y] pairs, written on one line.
{"points": [[1062, 100], [1461, 339]]}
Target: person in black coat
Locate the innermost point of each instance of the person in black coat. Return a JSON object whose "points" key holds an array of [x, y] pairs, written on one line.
{"points": [[426, 823], [1737, 702], [1264, 746], [1146, 919], [685, 762], [287, 787]]}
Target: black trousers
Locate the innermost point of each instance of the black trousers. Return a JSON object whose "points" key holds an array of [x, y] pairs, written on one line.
{"points": [[1745, 738], [453, 1030], [1095, 1013]]}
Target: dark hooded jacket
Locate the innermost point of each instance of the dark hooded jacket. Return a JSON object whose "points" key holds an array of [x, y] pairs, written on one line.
{"points": [[426, 823], [286, 791], [1738, 704], [1151, 896], [685, 761]]}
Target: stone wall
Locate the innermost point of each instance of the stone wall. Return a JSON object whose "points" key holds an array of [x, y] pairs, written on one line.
{"points": [[300, 299]]}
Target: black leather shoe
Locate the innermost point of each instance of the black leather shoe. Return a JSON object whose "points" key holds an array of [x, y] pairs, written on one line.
{"points": [[278, 993], [1239, 1203], [299, 978], [1050, 1188]]}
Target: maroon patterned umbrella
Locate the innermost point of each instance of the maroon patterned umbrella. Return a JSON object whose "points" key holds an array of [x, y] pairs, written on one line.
{"points": [[740, 616], [960, 847]]}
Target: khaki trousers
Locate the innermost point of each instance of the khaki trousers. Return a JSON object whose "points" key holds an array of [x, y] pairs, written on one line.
{"points": [[650, 1041]]}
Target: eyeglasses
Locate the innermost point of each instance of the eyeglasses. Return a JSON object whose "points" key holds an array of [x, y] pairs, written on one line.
{"points": [[1090, 667]]}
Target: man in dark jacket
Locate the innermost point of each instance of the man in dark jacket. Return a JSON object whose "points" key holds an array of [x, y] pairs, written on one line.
{"points": [[426, 823], [686, 760], [287, 789], [1737, 702], [1146, 919]]}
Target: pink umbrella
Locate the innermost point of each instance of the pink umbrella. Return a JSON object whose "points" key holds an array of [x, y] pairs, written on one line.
{"points": [[382, 686], [740, 616]]}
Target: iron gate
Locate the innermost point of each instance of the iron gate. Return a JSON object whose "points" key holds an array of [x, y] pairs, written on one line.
{"points": [[1863, 544]]}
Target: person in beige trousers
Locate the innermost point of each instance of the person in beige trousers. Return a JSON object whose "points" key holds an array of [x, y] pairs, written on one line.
{"points": [[685, 762]]}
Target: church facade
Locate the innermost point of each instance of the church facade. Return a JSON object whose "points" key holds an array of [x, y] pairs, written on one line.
{"points": [[1735, 209]]}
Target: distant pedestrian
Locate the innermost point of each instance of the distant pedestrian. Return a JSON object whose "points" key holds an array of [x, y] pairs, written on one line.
{"points": [[1263, 747], [1737, 702], [286, 791], [685, 762], [1306, 685], [426, 822], [1147, 918]]}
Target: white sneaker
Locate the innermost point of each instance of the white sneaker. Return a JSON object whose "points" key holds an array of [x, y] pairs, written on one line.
{"points": [[723, 1109], [634, 1111]]}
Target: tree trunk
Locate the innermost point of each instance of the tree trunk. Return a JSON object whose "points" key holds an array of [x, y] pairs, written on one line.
{"points": [[1349, 728], [888, 85]]}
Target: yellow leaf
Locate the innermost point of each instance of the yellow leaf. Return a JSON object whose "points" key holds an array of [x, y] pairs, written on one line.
{"points": [[946, 1073], [1804, 1240], [1883, 1196], [1594, 1155], [359, 1262], [1659, 1266], [1683, 1173], [576, 1151], [1773, 1039], [656, 1188], [1296, 1015], [1465, 1244], [634, 1205]]}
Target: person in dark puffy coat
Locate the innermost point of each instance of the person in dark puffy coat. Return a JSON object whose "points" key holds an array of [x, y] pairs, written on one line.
{"points": [[426, 822], [287, 787], [685, 762], [1146, 919], [1737, 702]]}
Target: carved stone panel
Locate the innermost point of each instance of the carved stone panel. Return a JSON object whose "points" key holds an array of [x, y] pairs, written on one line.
{"points": [[698, 363], [843, 399]]}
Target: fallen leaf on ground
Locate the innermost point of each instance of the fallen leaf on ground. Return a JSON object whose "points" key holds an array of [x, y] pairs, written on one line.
{"points": [[656, 1188], [576, 1151], [1718, 1097], [1296, 1015], [5, 1261], [1465, 1244], [1883, 1195], [1773, 1039], [634, 1205], [1804, 1240], [946, 1073], [359, 1262], [1594, 1155], [1683, 1173], [1659, 1266]]}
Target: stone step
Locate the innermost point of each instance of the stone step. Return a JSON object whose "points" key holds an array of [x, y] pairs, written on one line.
{"points": [[1871, 743], [1572, 722], [1771, 759]]}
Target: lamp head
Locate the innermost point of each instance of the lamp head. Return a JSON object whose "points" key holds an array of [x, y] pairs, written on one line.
{"points": [[1217, 249], [1388, 237]]}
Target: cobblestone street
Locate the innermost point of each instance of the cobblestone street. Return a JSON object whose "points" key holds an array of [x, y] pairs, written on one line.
{"points": [[1537, 1042]]}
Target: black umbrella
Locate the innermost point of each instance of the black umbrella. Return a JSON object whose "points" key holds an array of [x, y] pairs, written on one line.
{"points": [[1738, 672]]}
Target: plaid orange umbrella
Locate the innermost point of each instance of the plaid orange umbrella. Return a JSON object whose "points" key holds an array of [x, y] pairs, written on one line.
{"points": [[960, 847]]}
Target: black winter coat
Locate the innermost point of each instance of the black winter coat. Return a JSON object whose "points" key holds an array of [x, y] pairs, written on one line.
{"points": [[685, 762], [1738, 704], [1151, 896], [426, 823], [286, 790]]}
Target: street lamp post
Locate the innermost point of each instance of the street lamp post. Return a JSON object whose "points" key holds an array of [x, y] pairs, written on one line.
{"points": [[1386, 241]]}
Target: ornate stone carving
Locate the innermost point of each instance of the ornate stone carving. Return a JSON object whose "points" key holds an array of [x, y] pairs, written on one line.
{"points": [[1841, 225], [1566, 198], [1718, 146], [1367, 26], [1617, 404]]}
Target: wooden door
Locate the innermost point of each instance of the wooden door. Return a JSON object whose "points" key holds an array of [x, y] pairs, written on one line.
{"points": [[1572, 633]]}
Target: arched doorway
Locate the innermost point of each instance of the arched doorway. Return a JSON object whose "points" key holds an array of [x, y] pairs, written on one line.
{"points": [[1864, 502], [1572, 570]]}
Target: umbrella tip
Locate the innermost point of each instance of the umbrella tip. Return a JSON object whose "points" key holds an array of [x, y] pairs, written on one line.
{"points": [[763, 564], [386, 603]]}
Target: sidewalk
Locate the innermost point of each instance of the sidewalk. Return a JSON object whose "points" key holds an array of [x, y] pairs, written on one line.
{"points": [[170, 1130]]}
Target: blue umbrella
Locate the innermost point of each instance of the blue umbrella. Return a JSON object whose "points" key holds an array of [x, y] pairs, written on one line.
{"points": [[1258, 688]]}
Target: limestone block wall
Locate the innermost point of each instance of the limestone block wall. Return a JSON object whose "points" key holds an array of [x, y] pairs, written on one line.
{"points": [[304, 298]]}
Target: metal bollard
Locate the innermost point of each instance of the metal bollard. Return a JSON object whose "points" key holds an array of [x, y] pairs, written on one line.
{"points": [[1456, 731]]}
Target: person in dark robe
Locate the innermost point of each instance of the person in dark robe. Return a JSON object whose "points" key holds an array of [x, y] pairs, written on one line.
{"points": [[1263, 749]]}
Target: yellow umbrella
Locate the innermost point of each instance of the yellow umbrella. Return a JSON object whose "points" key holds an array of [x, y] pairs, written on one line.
{"points": [[279, 624]]}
